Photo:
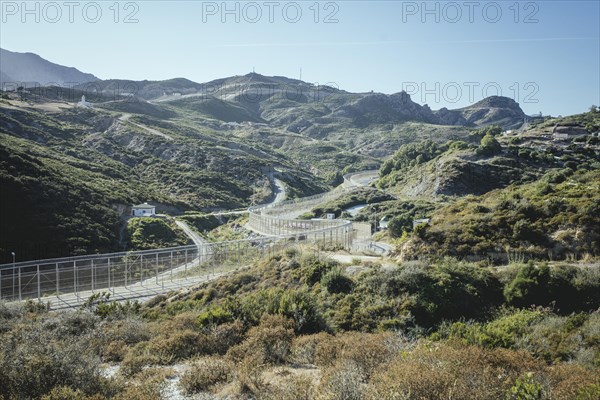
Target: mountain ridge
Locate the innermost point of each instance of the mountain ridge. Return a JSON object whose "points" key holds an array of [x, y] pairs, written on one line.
{"points": [[264, 98], [30, 68]]}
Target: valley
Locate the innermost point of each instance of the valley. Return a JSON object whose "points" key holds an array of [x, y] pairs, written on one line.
{"points": [[401, 200]]}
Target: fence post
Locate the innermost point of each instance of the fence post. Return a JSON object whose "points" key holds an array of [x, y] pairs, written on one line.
{"points": [[126, 268], [38, 284], [74, 277], [109, 276], [171, 266], [57, 281], [19, 283], [186, 257], [141, 269], [156, 268]]}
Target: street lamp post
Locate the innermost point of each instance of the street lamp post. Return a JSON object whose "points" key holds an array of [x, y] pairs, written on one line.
{"points": [[13, 275]]}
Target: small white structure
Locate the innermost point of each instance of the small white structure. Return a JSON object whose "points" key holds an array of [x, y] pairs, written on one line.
{"points": [[84, 103], [417, 222], [560, 136], [383, 222], [143, 210], [330, 216]]}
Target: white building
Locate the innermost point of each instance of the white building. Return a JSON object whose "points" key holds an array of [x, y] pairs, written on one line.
{"points": [[84, 103], [417, 222], [143, 210]]}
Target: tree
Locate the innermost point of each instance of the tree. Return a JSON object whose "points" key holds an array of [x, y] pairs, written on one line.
{"points": [[399, 224], [529, 287], [593, 108]]}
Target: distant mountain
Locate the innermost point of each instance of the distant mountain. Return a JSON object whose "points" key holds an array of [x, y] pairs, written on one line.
{"points": [[28, 68], [302, 107], [296, 106], [494, 110], [305, 108]]}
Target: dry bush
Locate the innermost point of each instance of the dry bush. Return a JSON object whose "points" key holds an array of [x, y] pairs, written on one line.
{"points": [[344, 381], [180, 322], [285, 384], [114, 351], [304, 348], [34, 361], [178, 345], [461, 372], [137, 358], [67, 393], [571, 381], [267, 343], [205, 373], [174, 345], [366, 350], [248, 378], [225, 336], [147, 385], [114, 338]]}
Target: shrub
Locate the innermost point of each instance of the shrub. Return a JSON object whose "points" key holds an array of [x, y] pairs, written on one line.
{"points": [[34, 361], [400, 224], [489, 145], [529, 286], [505, 331], [204, 373], [225, 336], [113, 338], [65, 393], [214, 316], [300, 306], [173, 346], [313, 269], [446, 290], [442, 371], [137, 358], [148, 385], [367, 351], [267, 343], [554, 338], [304, 348], [572, 381], [285, 384], [525, 388], [344, 381], [335, 281]]}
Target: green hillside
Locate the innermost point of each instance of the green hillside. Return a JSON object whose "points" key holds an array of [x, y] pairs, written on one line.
{"points": [[67, 177]]}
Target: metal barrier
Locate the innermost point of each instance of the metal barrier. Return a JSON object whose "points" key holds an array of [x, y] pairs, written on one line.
{"points": [[162, 269]]}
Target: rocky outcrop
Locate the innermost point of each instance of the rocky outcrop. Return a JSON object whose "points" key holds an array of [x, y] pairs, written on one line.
{"points": [[494, 110]]}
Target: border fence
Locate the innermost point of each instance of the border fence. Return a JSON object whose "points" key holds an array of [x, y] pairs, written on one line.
{"points": [[156, 271]]}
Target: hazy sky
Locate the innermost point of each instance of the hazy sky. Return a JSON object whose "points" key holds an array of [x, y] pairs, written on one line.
{"points": [[543, 54]]}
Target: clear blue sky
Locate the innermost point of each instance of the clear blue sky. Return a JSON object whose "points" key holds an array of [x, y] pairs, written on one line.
{"points": [[546, 56]]}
